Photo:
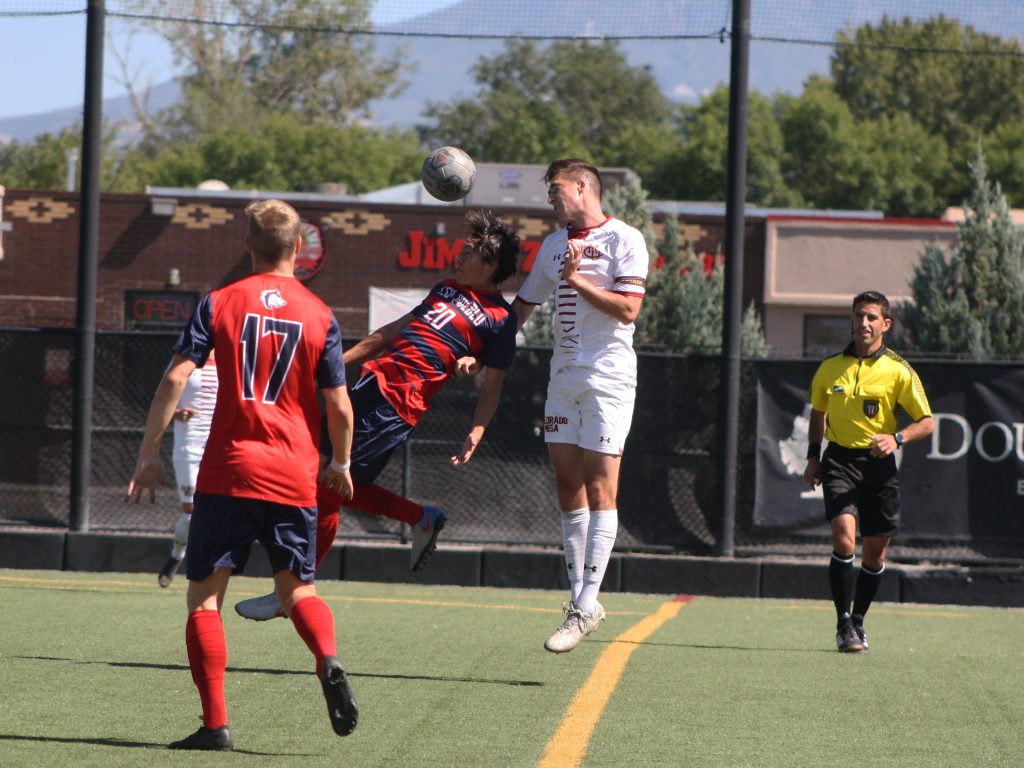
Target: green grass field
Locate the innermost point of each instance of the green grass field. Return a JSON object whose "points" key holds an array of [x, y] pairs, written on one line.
{"points": [[93, 672]]}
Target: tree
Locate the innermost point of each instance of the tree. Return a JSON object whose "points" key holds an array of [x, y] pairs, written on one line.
{"points": [[44, 163], [570, 98], [1004, 151], [255, 57], [628, 203], [684, 300], [697, 169], [956, 84], [910, 169], [880, 71], [827, 154], [287, 153], [971, 302]]}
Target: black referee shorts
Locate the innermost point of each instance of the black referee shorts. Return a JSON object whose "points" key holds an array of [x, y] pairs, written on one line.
{"points": [[857, 483]]}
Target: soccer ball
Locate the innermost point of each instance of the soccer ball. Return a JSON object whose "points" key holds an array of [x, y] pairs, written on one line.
{"points": [[448, 174]]}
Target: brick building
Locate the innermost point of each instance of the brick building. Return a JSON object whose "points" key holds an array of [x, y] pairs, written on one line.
{"points": [[157, 254]]}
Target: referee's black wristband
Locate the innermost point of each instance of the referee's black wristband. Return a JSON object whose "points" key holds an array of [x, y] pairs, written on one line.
{"points": [[813, 451]]}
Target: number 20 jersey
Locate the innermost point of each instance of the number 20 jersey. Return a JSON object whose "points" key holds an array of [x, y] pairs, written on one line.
{"points": [[451, 322], [276, 344]]}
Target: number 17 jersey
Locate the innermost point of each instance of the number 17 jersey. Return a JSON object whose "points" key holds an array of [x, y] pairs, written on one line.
{"points": [[276, 344]]}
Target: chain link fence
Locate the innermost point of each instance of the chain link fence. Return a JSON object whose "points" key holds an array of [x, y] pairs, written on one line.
{"points": [[668, 495], [504, 495]]}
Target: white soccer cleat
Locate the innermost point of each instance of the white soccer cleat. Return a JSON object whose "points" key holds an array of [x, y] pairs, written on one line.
{"points": [[424, 537], [576, 626], [262, 608]]}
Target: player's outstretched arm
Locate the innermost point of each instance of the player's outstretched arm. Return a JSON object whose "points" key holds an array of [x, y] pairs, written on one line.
{"points": [[377, 341], [486, 407], [148, 469], [340, 421]]}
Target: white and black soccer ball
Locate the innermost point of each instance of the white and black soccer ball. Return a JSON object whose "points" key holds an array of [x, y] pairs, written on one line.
{"points": [[448, 174]]}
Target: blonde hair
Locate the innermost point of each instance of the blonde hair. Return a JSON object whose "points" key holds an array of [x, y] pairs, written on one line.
{"points": [[273, 230]]}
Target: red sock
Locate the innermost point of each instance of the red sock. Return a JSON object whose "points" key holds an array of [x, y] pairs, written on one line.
{"points": [[375, 500], [314, 622], [328, 505], [208, 658]]}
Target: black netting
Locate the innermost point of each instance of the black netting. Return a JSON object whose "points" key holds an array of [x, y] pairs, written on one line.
{"points": [[669, 490], [505, 494]]}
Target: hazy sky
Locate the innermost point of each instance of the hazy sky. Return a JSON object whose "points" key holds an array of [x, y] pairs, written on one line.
{"points": [[42, 58]]}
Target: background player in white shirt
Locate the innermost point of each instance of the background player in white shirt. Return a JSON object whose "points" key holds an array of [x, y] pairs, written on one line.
{"points": [[192, 419], [597, 266]]}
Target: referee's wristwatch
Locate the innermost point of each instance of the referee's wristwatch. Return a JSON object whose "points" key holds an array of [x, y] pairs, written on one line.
{"points": [[899, 439]]}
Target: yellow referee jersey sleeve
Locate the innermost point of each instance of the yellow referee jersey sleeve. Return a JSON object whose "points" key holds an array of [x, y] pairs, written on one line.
{"points": [[860, 396]]}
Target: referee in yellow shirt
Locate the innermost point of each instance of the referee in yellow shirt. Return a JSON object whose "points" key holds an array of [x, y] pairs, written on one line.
{"points": [[854, 396]]}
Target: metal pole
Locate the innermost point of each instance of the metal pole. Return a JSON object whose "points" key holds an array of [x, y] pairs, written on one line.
{"points": [[732, 311], [88, 247], [406, 534]]}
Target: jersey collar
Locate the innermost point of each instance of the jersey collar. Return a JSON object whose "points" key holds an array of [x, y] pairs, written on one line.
{"points": [[579, 234], [851, 351]]}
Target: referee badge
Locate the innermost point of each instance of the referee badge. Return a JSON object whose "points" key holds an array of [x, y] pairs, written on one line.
{"points": [[871, 408]]}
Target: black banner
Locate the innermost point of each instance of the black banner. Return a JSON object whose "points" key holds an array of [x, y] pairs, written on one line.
{"points": [[965, 482]]}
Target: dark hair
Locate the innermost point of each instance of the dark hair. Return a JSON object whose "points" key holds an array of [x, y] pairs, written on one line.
{"points": [[873, 297], [495, 240], [575, 169]]}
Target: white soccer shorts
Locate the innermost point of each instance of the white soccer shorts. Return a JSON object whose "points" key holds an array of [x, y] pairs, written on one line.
{"points": [[594, 416]]}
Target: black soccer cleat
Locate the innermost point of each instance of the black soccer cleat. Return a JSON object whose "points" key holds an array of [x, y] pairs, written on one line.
{"points": [[847, 639], [167, 572], [341, 702], [216, 739]]}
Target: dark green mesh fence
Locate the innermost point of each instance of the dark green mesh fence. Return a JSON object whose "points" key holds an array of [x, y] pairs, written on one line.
{"points": [[505, 494], [668, 495]]}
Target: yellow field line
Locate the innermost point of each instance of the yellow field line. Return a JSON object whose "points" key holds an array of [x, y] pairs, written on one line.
{"points": [[144, 585], [121, 586], [876, 609], [69, 582], [452, 604], [569, 744]]}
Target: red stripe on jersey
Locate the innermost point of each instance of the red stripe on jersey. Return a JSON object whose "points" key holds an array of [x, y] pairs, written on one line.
{"points": [[452, 321]]}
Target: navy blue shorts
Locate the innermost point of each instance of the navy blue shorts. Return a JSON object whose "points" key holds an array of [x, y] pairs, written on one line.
{"points": [[379, 431], [224, 527]]}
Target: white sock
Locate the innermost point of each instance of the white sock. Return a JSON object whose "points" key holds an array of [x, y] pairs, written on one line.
{"points": [[604, 525], [574, 539], [180, 536]]}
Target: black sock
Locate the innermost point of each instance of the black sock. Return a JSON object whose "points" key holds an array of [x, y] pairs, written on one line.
{"points": [[867, 588], [840, 578]]}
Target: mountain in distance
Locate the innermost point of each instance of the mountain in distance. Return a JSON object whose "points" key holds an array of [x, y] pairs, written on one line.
{"points": [[115, 110], [685, 69]]}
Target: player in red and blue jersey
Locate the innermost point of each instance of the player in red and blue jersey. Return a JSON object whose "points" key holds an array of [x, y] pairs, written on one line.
{"points": [[276, 344], [405, 363]]}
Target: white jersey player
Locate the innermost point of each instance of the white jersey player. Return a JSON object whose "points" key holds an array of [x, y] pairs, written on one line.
{"points": [[597, 268], [192, 418]]}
